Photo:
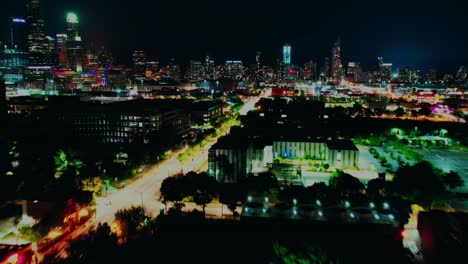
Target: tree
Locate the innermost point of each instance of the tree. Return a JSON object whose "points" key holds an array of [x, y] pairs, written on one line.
{"points": [[92, 184], [306, 255], [204, 189], [171, 191], [399, 111], [130, 220], [425, 111], [345, 184], [452, 180], [231, 194], [420, 182]]}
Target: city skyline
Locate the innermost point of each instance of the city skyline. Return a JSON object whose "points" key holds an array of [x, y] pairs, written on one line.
{"points": [[234, 38]]}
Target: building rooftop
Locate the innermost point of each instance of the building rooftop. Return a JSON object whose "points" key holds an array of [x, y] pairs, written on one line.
{"points": [[341, 144]]}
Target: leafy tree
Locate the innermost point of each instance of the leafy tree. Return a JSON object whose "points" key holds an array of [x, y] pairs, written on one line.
{"points": [[452, 180], [130, 220], [93, 184], [425, 111], [306, 255], [420, 182], [345, 184], [204, 189], [231, 194], [171, 190], [399, 111]]}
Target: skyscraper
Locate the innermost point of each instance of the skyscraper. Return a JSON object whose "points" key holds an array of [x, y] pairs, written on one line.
{"points": [[385, 70], [326, 67], [139, 65], [37, 45], [336, 66], [309, 71], [74, 45], [62, 49], [258, 54], [286, 54], [195, 71]]}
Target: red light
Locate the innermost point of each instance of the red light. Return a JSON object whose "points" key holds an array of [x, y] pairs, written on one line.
{"points": [[291, 71]]}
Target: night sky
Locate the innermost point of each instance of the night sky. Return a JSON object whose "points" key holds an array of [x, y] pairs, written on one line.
{"points": [[423, 34]]}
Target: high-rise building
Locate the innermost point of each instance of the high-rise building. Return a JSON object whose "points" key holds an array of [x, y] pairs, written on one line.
{"points": [[18, 33], [209, 68], [37, 45], [336, 66], [385, 71], [326, 68], [173, 70], [258, 54], [431, 75], [105, 58], [462, 73], [152, 67], [12, 65], [75, 51], [234, 70], [196, 71], [62, 49], [309, 71], [355, 72], [139, 65], [286, 54], [404, 74]]}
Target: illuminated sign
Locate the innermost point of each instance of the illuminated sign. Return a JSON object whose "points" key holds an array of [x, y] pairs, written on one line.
{"points": [[18, 20]]}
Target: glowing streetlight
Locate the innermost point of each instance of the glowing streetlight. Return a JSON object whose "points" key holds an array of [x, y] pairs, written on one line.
{"points": [[249, 198], [266, 199], [294, 201], [371, 205], [385, 205], [347, 204]]}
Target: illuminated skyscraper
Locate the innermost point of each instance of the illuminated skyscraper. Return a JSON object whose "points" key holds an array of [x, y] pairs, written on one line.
{"points": [[257, 58], [355, 72], [385, 71], [139, 65], [326, 67], [74, 45], [196, 71], [37, 45], [336, 66], [309, 71], [287, 54], [62, 49]]}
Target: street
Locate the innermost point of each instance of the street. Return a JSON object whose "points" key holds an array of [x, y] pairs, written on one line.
{"points": [[145, 191]]}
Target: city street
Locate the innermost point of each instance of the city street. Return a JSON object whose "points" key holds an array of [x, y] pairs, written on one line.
{"points": [[145, 191]]}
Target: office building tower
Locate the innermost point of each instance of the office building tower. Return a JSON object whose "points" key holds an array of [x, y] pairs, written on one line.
{"points": [[37, 45], [105, 58], [355, 73], [173, 70], [12, 65], [61, 45], [326, 67], [152, 68], [139, 65], [309, 71], [258, 54], [336, 66], [18, 34], [75, 51], [209, 68], [384, 73], [287, 54], [431, 75], [195, 71], [234, 70]]}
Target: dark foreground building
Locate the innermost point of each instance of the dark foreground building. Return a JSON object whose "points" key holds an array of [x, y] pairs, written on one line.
{"points": [[443, 236]]}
